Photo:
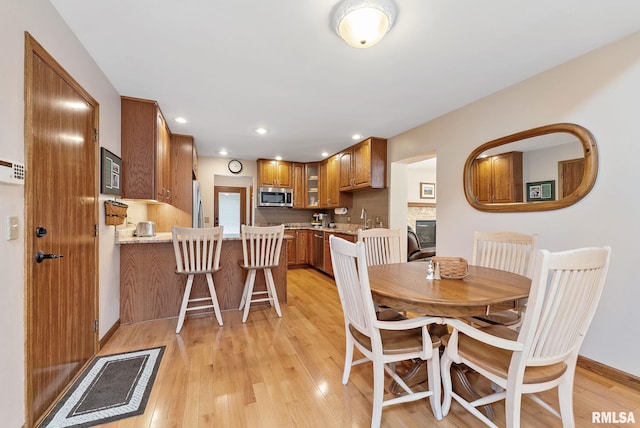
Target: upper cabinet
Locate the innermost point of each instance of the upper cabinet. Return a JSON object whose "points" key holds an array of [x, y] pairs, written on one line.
{"points": [[312, 185], [273, 173], [498, 178], [299, 179], [363, 166], [330, 195], [182, 162], [146, 151], [329, 183]]}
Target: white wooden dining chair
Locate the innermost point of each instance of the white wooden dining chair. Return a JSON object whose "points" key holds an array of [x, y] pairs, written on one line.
{"points": [[197, 252], [565, 292], [382, 342], [509, 251], [382, 246], [261, 251]]}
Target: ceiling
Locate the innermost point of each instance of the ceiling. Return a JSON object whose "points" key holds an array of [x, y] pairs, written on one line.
{"points": [[230, 66]]}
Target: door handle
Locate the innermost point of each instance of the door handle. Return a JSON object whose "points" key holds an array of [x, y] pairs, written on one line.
{"points": [[40, 256]]}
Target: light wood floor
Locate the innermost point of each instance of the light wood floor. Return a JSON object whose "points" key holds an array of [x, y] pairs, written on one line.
{"points": [[286, 372]]}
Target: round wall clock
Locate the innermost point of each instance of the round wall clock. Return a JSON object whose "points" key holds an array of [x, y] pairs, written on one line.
{"points": [[235, 166]]}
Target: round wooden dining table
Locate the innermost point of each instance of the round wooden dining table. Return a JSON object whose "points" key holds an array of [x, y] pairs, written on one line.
{"points": [[403, 286], [484, 290]]}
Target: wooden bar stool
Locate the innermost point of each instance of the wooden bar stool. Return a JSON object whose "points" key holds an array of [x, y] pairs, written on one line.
{"points": [[197, 252], [261, 251]]}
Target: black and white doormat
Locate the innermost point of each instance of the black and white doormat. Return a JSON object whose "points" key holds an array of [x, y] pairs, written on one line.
{"points": [[112, 387]]}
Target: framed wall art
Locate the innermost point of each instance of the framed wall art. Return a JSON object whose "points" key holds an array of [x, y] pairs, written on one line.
{"points": [[427, 190], [541, 191], [110, 172]]}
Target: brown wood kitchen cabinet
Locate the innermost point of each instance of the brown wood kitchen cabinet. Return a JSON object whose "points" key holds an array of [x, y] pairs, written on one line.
{"points": [[498, 178], [328, 267], [182, 162], [274, 173], [298, 248], [312, 185], [363, 166], [146, 151], [299, 188], [330, 195]]}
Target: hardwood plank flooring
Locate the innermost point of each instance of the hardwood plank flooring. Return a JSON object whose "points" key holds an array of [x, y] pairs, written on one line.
{"points": [[286, 372]]}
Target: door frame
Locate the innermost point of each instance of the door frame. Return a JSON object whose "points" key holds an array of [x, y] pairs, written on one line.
{"points": [[230, 189], [33, 48]]}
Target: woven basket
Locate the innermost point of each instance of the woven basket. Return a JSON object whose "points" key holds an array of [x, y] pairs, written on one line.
{"points": [[115, 212], [452, 267]]}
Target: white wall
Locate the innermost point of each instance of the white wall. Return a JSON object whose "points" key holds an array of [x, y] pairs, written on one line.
{"points": [[209, 168], [421, 172], [41, 20], [598, 91]]}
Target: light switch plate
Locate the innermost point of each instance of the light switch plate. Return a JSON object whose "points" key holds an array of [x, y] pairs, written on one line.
{"points": [[12, 227]]}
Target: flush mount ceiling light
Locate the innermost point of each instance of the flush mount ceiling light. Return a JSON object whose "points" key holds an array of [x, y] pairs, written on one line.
{"points": [[363, 23]]}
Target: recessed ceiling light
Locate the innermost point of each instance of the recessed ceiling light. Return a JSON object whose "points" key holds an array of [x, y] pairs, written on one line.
{"points": [[356, 136], [325, 154], [278, 157], [181, 120], [223, 152], [260, 131]]}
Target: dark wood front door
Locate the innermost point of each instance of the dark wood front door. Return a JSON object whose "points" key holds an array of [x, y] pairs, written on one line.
{"points": [[570, 173], [61, 212]]}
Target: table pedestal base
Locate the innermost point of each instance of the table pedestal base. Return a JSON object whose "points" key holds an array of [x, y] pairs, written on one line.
{"points": [[417, 374]]}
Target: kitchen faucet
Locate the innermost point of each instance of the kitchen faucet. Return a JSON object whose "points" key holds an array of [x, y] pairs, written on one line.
{"points": [[363, 216]]}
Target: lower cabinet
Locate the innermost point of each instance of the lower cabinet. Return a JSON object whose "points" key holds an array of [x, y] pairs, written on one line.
{"points": [[298, 248], [311, 247], [328, 267]]}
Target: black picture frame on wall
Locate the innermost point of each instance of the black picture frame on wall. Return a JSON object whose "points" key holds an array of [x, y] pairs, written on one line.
{"points": [[541, 191], [110, 173]]}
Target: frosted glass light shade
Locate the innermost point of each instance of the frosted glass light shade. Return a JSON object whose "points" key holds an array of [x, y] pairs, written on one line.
{"points": [[363, 23]]}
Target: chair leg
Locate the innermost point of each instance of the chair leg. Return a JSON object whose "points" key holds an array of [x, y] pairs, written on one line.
{"points": [[271, 288], [243, 300], [185, 303], [214, 298], [251, 279], [433, 369], [378, 393], [445, 369], [565, 397], [348, 358]]}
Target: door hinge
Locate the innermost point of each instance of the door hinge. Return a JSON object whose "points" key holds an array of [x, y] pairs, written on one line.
{"points": [[95, 326], [95, 135], [95, 230]]}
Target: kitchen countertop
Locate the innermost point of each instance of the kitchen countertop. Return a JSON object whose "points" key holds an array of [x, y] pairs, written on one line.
{"points": [[161, 237], [347, 229], [125, 236]]}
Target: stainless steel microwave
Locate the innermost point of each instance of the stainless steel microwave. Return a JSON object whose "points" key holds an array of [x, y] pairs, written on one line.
{"points": [[275, 197]]}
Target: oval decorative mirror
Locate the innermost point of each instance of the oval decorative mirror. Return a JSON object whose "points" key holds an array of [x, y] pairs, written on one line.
{"points": [[541, 169]]}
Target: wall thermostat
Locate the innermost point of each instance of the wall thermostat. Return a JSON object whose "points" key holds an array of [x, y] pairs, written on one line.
{"points": [[11, 172]]}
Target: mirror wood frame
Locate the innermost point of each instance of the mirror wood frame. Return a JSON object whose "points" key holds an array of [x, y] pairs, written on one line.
{"points": [[588, 180]]}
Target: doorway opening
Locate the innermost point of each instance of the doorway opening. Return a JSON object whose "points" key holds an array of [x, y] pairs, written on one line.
{"points": [[230, 208]]}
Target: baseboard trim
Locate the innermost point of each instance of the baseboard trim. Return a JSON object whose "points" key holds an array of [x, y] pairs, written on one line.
{"points": [[109, 334], [616, 375]]}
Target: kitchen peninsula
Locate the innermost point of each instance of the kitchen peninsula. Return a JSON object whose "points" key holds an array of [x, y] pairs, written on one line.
{"points": [[150, 289]]}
